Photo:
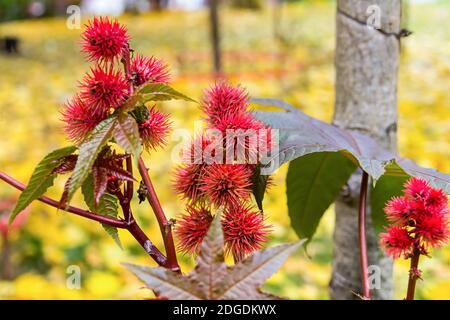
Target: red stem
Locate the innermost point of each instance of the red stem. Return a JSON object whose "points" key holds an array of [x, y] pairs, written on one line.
{"points": [[362, 236], [129, 189], [137, 232], [148, 246], [413, 275], [80, 212], [126, 61], [131, 226], [164, 225]]}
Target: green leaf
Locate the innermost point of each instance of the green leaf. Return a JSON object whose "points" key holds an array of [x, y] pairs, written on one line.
{"points": [[153, 92], [313, 182], [107, 206], [126, 134], [161, 92], [41, 179], [89, 150], [386, 188]]}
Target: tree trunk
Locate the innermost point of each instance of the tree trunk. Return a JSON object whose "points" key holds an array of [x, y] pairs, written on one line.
{"points": [[366, 100], [215, 35], [155, 5], [6, 268], [276, 19]]}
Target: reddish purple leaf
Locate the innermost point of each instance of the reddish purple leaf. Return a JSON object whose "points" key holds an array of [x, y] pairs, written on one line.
{"points": [[100, 183], [67, 164]]}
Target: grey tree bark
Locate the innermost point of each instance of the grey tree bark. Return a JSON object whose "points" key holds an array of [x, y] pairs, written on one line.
{"points": [[366, 64]]}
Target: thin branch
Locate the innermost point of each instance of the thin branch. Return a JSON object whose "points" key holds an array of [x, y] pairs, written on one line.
{"points": [[137, 232], [131, 226], [362, 235], [148, 246], [80, 212], [126, 61], [413, 275], [129, 189], [164, 225]]}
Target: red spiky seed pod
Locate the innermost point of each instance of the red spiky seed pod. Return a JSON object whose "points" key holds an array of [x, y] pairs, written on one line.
{"points": [[433, 230], [223, 99], [227, 184], [155, 130], [79, 120], [397, 242], [104, 88], [417, 188], [244, 135], [436, 199], [188, 182], [148, 69], [104, 39], [397, 210], [192, 227], [244, 229]]}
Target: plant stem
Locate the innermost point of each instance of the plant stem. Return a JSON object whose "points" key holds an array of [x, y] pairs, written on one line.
{"points": [[126, 61], [413, 276], [137, 232], [362, 235], [80, 212], [164, 225], [148, 246], [129, 189], [131, 225]]}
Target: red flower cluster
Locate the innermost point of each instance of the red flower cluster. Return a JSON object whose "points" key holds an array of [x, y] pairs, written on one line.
{"points": [[208, 180], [106, 88], [419, 220]]}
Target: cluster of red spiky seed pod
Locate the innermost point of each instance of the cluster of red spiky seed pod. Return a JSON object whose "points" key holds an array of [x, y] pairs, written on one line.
{"points": [[208, 180], [105, 88], [419, 220]]}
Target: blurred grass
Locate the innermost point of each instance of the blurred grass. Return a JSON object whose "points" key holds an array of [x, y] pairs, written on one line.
{"points": [[298, 69]]}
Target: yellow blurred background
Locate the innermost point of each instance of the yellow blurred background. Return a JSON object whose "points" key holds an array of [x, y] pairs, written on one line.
{"points": [[297, 67]]}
